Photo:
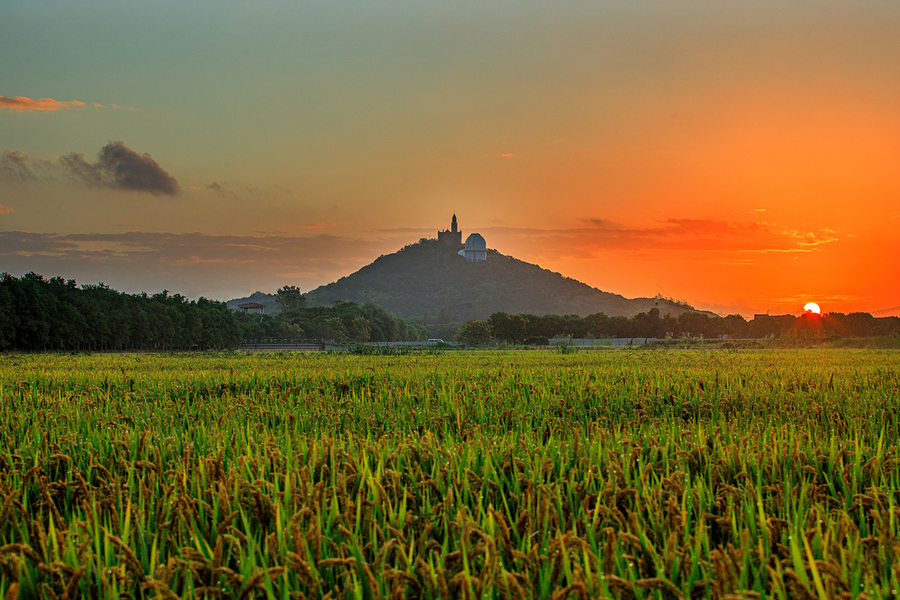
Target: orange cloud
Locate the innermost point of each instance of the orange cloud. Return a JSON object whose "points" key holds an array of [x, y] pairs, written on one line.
{"points": [[98, 105], [670, 235], [810, 238], [4, 210], [23, 104]]}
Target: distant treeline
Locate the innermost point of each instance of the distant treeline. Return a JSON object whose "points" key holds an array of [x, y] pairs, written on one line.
{"points": [[342, 322], [525, 328], [57, 314]]}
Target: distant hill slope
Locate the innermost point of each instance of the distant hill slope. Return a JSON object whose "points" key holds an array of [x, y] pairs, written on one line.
{"points": [[429, 277], [267, 300]]}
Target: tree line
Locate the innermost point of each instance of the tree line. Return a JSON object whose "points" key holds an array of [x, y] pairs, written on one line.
{"points": [[38, 314], [57, 314], [534, 329], [342, 322]]}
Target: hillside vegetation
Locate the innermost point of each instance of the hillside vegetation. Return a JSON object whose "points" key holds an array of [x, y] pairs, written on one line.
{"points": [[430, 280]]}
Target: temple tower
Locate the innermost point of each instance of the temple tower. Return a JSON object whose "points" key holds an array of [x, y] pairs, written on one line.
{"points": [[452, 236]]}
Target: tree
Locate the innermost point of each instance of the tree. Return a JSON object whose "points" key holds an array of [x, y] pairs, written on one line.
{"points": [[330, 328], [357, 329], [599, 325], [737, 326], [694, 325], [648, 324], [860, 324], [773, 326], [289, 297], [9, 322], [476, 333], [43, 314], [621, 326], [508, 327]]}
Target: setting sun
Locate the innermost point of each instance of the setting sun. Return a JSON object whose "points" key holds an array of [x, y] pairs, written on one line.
{"points": [[812, 307]]}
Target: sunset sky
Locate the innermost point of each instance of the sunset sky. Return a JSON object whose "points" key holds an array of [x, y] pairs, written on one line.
{"points": [[742, 156]]}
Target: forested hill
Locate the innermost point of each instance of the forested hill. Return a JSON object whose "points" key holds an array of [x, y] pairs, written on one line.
{"points": [[429, 279]]}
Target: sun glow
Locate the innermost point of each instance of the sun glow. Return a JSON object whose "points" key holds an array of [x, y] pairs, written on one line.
{"points": [[812, 307]]}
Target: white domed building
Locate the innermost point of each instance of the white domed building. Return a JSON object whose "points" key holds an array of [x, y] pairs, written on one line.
{"points": [[476, 248]]}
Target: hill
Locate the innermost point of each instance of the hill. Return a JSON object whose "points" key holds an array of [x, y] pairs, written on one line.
{"points": [[429, 279], [267, 300]]}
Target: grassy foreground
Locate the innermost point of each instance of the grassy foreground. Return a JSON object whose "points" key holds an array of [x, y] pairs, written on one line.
{"points": [[623, 474]]}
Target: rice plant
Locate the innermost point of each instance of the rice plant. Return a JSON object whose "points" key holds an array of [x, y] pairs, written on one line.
{"points": [[622, 474]]}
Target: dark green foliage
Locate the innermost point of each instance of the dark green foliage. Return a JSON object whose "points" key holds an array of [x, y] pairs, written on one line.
{"points": [[443, 331], [345, 321], [55, 314], [859, 325], [511, 328], [476, 333], [689, 325], [290, 298]]}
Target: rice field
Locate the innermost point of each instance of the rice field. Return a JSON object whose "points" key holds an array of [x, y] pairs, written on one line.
{"points": [[621, 474]]}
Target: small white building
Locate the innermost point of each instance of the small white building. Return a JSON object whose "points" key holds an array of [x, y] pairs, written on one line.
{"points": [[476, 248]]}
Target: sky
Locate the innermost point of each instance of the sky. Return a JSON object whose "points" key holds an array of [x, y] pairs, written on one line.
{"points": [[741, 156]]}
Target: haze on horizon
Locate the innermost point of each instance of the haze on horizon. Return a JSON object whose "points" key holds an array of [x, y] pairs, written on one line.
{"points": [[742, 157]]}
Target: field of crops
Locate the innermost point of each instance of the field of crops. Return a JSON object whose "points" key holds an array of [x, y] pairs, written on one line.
{"points": [[619, 473]]}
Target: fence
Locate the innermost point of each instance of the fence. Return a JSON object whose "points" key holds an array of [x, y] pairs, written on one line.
{"points": [[605, 341], [321, 345], [291, 344], [457, 344]]}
